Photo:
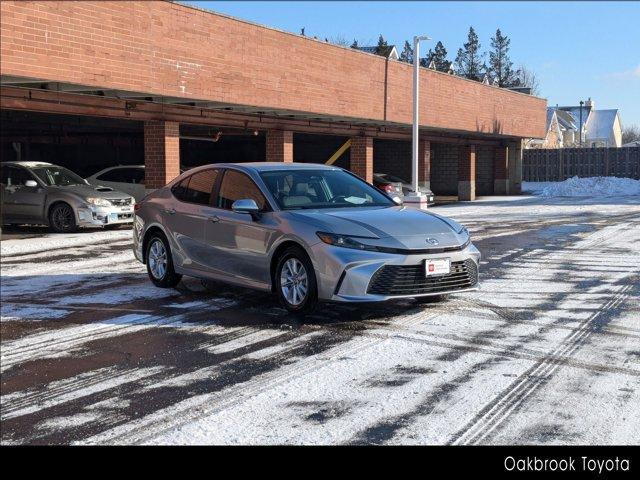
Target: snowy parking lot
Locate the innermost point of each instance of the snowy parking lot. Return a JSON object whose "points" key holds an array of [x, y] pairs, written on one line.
{"points": [[547, 351]]}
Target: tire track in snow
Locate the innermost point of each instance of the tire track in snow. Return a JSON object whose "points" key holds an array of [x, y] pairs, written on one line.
{"points": [[497, 411]]}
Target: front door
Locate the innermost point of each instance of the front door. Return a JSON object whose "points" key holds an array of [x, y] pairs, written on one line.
{"points": [[21, 203], [239, 243]]}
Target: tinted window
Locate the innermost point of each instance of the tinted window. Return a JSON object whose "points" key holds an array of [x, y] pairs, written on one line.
{"points": [[197, 187], [179, 190], [12, 176], [237, 186]]}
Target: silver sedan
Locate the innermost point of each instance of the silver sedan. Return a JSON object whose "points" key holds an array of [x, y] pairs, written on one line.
{"points": [[42, 193], [306, 232]]}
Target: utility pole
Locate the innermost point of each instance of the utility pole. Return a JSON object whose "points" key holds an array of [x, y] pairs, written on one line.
{"points": [[416, 196], [581, 103]]}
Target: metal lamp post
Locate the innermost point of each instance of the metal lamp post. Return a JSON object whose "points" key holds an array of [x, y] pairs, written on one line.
{"points": [[414, 137]]}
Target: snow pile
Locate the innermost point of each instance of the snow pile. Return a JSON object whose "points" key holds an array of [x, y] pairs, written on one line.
{"points": [[592, 186]]}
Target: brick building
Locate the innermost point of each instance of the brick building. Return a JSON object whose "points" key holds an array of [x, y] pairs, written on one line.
{"points": [[88, 84]]}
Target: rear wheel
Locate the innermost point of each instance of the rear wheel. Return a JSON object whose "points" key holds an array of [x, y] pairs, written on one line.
{"points": [[295, 281], [160, 263], [62, 218]]}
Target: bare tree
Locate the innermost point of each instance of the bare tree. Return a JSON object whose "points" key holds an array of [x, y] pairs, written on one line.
{"points": [[339, 40], [630, 134], [527, 78]]}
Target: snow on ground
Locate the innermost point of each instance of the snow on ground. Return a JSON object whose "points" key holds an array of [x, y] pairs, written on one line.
{"points": [[546, 352], [585, 187]]}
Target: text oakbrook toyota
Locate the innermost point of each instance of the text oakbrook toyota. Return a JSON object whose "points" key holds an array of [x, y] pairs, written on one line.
{"points": [[304, 231]]}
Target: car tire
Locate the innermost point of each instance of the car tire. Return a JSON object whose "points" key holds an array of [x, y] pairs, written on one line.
{"points": [[62, 218], [295, 268], [160, 263]]}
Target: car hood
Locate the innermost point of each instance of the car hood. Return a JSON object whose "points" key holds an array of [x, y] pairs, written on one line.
{"points": [[85, 191], [393, 226]]}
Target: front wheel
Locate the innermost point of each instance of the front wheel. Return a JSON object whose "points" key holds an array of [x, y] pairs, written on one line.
{"points": [[62, 218], [160, 263], [295, 281]]}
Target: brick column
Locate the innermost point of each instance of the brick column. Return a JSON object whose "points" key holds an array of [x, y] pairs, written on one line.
{"points": [[467, 173], [161, 152], [280, 146], [361, 160], [500, 166], [424, 163]]}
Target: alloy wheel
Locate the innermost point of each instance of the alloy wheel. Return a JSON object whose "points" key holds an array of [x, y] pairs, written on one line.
{"points": [[158, 259], [294, 282], [62, 218]]}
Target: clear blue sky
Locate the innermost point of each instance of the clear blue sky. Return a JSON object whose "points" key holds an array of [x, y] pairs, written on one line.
{"points": [[577, 49]]}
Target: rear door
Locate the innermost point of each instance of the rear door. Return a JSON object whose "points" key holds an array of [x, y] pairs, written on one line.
{"points": [[185, 217], [237, 242]]}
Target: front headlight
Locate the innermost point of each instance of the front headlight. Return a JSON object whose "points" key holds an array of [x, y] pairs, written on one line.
{"points": [[345, 241], [99, 202]]}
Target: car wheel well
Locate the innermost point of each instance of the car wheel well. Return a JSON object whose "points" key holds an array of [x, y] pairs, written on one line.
{"points": [[276, 256], [145, 242], [55, 204]]}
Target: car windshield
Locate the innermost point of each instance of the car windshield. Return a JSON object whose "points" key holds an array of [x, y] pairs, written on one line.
{"points": [[309, 189], [58, 176]]}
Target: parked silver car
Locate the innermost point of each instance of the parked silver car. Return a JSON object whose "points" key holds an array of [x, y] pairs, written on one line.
{"points": [[124, 178], [304, 231], [42, 193]]}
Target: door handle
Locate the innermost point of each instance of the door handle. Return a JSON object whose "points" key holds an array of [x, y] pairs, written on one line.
{"points": [[170, 211], [214, 219]]}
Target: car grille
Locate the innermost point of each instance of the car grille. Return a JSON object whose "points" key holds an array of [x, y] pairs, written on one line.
{"points": [[412, 279], [120, 202]]}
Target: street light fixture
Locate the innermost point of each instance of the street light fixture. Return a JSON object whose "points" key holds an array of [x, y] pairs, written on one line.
{"points": [[414, 138]]}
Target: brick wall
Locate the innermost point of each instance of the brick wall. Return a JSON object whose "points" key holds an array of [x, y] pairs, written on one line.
{"points": [[279, 146], [170, 49], [444, 169], [161, 152], [392, 157], [361, 158], [484, 169]]}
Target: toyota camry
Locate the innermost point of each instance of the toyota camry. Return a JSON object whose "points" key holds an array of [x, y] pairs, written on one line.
{"points": [[305, 232]]}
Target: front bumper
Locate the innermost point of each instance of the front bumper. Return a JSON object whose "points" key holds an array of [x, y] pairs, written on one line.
{"points": [[94, 216], [348, 275]]}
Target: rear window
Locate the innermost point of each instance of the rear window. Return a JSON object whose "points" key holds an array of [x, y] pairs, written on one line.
{"points": [[196, 188]]}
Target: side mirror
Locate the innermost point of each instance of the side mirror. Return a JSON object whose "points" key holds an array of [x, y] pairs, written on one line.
{"points": [[246, 205], [30, 183], [397, 200]]}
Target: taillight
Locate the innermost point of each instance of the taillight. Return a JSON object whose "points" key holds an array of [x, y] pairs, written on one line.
{"points": [[136, 207], [387, 187]]}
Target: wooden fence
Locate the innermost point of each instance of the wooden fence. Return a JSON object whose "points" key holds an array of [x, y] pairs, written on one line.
{"points": [[557, 164]]}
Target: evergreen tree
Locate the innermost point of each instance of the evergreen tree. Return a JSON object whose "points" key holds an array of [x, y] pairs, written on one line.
{"points": [[354, 44], [439, 57], [407, 53], [469, 61], [381, 48], [500, 66]]}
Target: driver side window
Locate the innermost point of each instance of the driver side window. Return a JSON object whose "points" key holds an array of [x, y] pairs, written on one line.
{"points": [[236, 186], [14, 176]]}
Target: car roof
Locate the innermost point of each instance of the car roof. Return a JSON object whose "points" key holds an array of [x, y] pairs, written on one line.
{"points": [[29, 164], [275, 166]]}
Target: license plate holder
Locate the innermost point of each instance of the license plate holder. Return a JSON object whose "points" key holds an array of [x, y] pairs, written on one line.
{"points": [[437, 266]]}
